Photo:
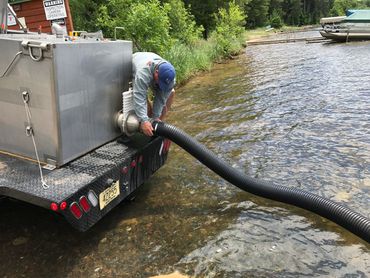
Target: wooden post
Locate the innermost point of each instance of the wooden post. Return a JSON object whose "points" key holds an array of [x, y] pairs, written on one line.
{"points": [[69, 15]]}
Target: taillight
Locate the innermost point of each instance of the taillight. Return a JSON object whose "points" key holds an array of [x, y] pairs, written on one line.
{"points": [[124, 170], [54, 206], [63, 206], [84, 204], [75, 209], [92, 198]]}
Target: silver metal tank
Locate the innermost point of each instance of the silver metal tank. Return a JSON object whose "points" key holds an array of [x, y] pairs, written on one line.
{"points": [[72, 88]]}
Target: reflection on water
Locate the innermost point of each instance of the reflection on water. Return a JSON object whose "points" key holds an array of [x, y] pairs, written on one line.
{"points": [[294, 113]]}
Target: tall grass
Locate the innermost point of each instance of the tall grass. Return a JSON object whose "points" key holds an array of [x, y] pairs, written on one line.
{"points": [[226, 40], [188, 60]]}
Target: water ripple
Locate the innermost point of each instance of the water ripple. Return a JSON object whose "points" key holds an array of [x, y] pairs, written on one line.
{"points": [[297, 114]]}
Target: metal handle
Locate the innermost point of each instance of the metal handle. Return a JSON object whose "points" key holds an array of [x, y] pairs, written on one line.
{"points": [[11, 63], [115, 31], [41, 46]]}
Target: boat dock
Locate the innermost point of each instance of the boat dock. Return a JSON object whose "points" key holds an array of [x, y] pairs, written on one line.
{"points": [[287, 40]]}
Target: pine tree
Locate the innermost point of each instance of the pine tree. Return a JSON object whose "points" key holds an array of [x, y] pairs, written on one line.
{"points": [[257, 12]]}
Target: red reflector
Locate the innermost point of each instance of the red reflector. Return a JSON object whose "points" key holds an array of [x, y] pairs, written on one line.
{"points": [[84, 203], [63, 206], [168, 143], [54, 206], [75, 209], [133, 164], [164, 146]]}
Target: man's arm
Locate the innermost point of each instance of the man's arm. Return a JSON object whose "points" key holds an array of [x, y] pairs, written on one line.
{"points": [[160, 100], [140, 91]]}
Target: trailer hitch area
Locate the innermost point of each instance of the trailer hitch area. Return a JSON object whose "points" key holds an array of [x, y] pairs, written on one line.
{"points": [[31, 45]]}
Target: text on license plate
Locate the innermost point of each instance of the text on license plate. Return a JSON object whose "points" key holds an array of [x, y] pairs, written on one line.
{"points": [[109, 195]]}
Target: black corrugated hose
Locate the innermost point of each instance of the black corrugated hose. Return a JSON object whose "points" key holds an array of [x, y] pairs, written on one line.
{"points": [[352, 221]]}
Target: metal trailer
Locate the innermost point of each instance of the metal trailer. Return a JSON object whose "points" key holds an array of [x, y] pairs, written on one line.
{"points": [[59, 101], [86, 189]]}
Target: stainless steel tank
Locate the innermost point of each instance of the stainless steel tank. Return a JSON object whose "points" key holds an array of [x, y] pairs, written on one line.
{"points": [[72, 88]]}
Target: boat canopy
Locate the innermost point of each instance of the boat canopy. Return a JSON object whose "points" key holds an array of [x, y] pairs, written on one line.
{"points": [[358, 16]]}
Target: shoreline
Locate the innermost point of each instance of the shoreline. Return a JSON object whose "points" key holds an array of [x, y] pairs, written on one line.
{"points": [[250, 35], [257, 35]]}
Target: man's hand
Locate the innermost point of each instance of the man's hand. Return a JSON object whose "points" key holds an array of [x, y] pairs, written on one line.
{"points": [[146, 128]]}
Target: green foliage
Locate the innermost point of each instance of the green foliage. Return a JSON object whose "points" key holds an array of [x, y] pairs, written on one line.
{"points": [[172, 27], [204, 11], [340, 6], [275, 20], [276, 5], [82, 10], [229, 28], [148, 25], [183, 26], [257, 11], [293, 12], [190, 59], [113, 13]]}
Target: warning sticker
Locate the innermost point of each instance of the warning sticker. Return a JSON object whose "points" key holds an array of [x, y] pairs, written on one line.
{"points": [[11, 20], [54, 9]]}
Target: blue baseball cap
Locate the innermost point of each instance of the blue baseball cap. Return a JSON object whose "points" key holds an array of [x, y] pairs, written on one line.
{"points": [[166, 75]]}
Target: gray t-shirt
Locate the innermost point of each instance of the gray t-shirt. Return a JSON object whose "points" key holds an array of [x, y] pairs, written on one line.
{"points": [[144, 64]]}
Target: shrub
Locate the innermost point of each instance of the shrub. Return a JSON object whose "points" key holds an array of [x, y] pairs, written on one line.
{"points": [[183, 26], [229, 29], [146, 23], [148, 26], [275, 20]]}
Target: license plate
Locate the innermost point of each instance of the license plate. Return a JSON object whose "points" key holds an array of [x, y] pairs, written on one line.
{"points": [[108, 195]]}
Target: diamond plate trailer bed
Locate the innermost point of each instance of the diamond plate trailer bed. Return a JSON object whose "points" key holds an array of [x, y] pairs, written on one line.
{"points": [[114, 164]]}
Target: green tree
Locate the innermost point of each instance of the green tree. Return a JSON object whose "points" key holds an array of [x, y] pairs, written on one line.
{"points": [[148, 25], [276, 7], [204, 11], [293, 12], [340, 6], [257, 11], [113, 13], [85, 14], [183, 25], [275, 19], [229, 28]]}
